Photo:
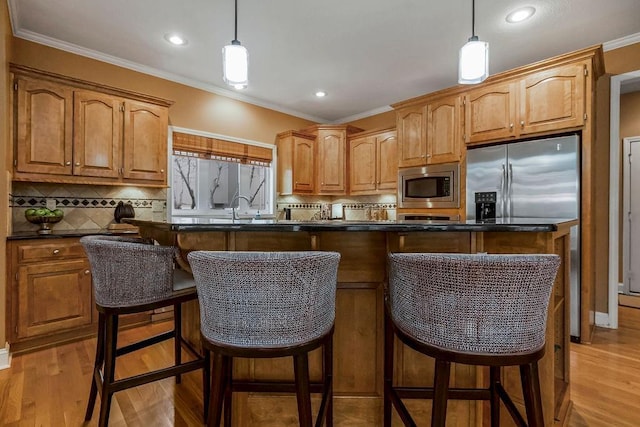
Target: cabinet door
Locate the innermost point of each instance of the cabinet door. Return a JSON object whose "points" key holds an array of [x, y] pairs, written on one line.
{"points": [[412, 136], [362, 165], [44, 127], [331, 161], [490, 113], [53, 297], [387, 162], [97, 134], [553, 99], [145, 141], [443, 130], [303, 171]]}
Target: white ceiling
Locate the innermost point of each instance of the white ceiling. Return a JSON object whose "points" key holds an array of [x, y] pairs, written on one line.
{"points": [[366, 54]]}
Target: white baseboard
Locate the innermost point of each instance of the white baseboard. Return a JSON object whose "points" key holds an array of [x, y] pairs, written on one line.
{"points": [[602, 319], [5, 357]]}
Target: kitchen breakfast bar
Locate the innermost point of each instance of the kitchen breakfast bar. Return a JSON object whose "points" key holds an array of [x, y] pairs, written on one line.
{"points": [[359, 338]]}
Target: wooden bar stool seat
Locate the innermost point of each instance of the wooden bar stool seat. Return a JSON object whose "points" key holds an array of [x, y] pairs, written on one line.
{"points": [[485, 310], [267, 304], [131, 275]]}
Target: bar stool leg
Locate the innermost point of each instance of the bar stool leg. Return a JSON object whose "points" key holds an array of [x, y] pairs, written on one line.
{"points": [[217, 390], [328, 367], [301, 369], [177, 337], [494, 376], [531, 392], [440, 393], [111, 343], [228, 391], [206, 383], [388, 368], [99, 360]]}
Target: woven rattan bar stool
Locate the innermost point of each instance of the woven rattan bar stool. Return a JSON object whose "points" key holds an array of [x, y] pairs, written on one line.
{"points": [[486, 310], [130, 275], [267, 304]]}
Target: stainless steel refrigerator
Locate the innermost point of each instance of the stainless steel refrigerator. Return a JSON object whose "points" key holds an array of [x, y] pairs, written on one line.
{"points": [[532, 179]]}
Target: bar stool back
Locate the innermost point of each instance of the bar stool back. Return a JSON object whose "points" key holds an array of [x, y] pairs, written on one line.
{"points": [[130, 275], [488, 310], [267, 304]]}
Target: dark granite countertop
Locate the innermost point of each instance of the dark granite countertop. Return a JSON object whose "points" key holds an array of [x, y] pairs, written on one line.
{"points": [[59, 234], [195, 224]]}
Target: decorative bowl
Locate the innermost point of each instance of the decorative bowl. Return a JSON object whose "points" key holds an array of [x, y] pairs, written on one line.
{"points": [[44, 221]]}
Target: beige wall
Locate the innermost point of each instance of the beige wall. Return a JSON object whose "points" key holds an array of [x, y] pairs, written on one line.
{"points": [[629, 115], [5, 53], [623, 60], [192, 108], [378, 121]]}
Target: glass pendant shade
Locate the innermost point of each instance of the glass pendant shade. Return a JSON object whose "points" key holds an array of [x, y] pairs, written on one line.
{"points": [[473, 64], [235, 64]]}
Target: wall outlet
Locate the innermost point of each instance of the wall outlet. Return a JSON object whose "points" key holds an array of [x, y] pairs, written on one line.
{"points": [[51, 204], [157, 206]]}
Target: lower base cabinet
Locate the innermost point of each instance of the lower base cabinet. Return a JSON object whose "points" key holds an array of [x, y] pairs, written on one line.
{"points": [[49, 292]]}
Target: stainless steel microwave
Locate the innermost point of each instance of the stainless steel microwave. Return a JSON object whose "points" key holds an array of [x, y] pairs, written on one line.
{"points": [[433, 186]]}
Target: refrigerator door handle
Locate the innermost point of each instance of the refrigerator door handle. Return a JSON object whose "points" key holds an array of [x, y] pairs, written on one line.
{"points": [[503, 191], [509, 184]]}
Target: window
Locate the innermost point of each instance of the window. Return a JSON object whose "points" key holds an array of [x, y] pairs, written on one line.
{"points": [[208, 179]]}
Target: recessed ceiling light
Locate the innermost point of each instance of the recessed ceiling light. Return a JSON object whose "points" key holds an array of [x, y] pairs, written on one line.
{"points": [[520, 15], [321, 94], [175, 39]]}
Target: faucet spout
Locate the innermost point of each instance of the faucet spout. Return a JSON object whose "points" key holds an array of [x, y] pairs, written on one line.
{"points": [[234, 215]]}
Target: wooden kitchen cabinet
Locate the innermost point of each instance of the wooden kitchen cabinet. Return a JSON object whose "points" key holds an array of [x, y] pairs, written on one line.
{"points": [[444, 122], [72, 131], [49, 292], [295, 163], [490, 112], [544, 101], [553, 99], [44, 124], [412, 136], [429, 133], [331, 159], [373, 162]]}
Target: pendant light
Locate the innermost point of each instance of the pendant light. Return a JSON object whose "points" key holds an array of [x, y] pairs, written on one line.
{"points": [[473, 65], [235, 60]]}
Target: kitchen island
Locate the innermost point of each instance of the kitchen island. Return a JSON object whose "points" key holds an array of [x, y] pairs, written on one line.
{"points": [[358, 339]]}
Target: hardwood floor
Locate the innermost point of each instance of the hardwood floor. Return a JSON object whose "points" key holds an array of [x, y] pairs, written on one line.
{"points": [[50, 387]]}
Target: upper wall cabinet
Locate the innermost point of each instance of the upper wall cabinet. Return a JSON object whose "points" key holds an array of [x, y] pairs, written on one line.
{"points": [[71, 131], [430, 133], [295, 163], [547, 100], [373, 162]]}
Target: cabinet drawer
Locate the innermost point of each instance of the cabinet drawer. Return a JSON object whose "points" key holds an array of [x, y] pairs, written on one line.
{"points": [[31, 252]]}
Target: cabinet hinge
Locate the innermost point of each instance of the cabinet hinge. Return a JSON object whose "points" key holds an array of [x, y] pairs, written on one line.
{"points": [[15, 85], [15, 162], [464, 101], [16, 277], [629, 156], [121, 107], [585, 116], [586, 71], [16, 329]]}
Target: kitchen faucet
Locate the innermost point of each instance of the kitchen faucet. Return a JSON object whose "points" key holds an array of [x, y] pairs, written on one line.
{"points": [[234, 214]]}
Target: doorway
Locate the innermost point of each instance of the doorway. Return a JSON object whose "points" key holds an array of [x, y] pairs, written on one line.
{"points": [[631, 216]]}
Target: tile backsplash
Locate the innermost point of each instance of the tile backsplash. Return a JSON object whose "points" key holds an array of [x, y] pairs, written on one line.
{"points": [[85, 207], [370, 208]]}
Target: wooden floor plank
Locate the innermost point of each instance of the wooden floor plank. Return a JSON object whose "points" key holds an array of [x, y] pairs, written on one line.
{"points": [[50, 387]]}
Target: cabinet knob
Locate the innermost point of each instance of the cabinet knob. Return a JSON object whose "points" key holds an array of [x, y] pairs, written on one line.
{"points": [[87, 272], [68, 163], [522, 123], [56, 251], [422, 155], [161, 170], [428, 155], [77, 163], [510, 125]]}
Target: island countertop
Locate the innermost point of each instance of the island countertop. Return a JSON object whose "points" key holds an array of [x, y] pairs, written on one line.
{"points": [[189, 224]]}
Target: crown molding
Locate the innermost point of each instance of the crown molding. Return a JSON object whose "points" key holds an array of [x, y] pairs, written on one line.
{"points": [[621, 42], [78, 50]]}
